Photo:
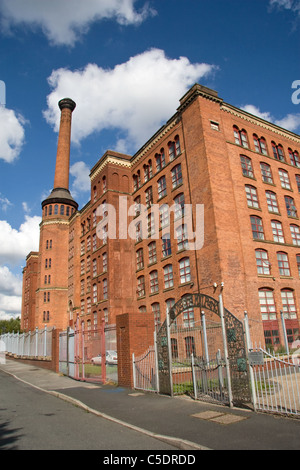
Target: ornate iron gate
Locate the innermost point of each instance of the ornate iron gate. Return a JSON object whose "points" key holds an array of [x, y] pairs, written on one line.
{"points": [[235, 360]]}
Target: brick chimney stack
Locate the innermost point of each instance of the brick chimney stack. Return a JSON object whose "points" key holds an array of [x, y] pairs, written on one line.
{"points": [[60, 193], [61, 178]]}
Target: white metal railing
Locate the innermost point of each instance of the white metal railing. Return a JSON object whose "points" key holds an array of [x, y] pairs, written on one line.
{"points": [[37, 343], [276, 384], [275, 380]]}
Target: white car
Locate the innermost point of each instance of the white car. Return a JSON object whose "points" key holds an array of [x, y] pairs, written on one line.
{"points": [[111, 358]]}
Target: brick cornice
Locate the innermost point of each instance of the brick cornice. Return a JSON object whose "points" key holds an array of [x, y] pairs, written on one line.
{"points": [[260, 122]]}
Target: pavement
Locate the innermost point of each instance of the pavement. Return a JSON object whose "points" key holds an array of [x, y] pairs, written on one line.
{"points": [[187, 424]]}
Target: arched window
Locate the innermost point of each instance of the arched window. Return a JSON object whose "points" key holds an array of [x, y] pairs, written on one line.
{"points": [[262, 262], [284, 179], [294, 158], [156, 311], [260, 144], [252, 198], [141, 286], [166, 245], [257, 227], [153, 282], [267, 304], [168, 276], [266, 173], [240, 137], [152, 252], [283, 264], [247, 168], [272, 202], [290, 206], [277, 231], [160, 160], [139, 259], [190, 347], [295, 233], [288, 304], [184, 270], [176, 176], [179, 206], [278, 152], [174, 348]]}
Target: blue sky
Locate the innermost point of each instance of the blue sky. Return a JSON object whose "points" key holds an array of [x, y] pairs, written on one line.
{"points": [[126, 63]]}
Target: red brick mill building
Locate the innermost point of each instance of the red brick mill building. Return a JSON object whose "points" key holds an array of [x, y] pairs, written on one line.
{"points": [[245, 174]]}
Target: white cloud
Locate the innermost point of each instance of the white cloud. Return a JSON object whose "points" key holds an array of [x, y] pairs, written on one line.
{"points": [[4, 203], [10, 294], [135, 97], [81, 174], [293, 5], [12, 134], [10, 305], [63, 22], [290, 122], [16, 244], [10, 284]]}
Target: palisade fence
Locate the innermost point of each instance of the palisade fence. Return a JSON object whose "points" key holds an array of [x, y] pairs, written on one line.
{"points": [[34, 344]]}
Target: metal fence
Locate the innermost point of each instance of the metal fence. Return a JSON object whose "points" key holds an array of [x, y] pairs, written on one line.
{"points": [[275, 379], [84, 353], [276, 383], [36, 344]]}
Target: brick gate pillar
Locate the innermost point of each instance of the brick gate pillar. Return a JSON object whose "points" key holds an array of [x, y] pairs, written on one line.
{"points": [[135, 333]]}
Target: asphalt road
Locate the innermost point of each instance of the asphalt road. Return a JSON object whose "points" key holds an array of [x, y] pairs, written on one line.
{"points": [[33, 420]]}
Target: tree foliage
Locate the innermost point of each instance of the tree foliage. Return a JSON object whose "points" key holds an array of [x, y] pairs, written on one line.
{"points": [[10, 326]]}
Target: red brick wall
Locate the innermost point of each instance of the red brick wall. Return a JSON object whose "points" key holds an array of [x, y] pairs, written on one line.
{"points": [[135, 333]]}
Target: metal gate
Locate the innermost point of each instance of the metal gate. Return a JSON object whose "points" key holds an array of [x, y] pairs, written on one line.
{"points": [[207, 360], [67, 352], [89, 354]]}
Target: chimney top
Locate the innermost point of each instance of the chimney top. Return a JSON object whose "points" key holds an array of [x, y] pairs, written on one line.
{"points": [[67, 103]]}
